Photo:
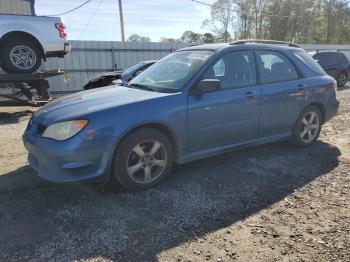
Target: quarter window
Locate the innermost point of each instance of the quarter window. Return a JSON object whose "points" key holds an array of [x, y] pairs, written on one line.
{"points": [[275, 67], [309, 62], [234, 70]]}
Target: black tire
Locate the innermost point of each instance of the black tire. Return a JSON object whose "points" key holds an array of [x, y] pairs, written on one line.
{"points": [[125, 153], [299, 128], [342, 79], [33, 50]]}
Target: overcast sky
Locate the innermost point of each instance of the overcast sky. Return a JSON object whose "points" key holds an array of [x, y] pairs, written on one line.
{"points": [[153, 18]]}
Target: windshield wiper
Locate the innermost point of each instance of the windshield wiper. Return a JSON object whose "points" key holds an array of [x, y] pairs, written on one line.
{"points": [[140, 86]]}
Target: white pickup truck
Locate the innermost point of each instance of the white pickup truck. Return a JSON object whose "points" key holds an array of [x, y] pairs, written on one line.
{"points": [[26, 40]]}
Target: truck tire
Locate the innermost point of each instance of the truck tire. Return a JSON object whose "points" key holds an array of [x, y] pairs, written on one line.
{"points": [[20, 56]]}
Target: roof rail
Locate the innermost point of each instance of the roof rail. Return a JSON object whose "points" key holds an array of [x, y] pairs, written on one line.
{"points": [[240, 42]]}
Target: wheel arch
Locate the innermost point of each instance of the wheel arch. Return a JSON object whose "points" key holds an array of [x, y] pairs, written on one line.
{"points": [[159, 126], [320, 107], [345, 72], [25, 35]]}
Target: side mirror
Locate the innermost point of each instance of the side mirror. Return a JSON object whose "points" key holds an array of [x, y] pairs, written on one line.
{"points": [[206, 86]]}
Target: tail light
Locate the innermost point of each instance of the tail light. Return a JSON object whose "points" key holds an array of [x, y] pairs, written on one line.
{"points": [[61, 29], [335, 86]]}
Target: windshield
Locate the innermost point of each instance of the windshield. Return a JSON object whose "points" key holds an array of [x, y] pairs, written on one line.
{"points": [[173, 71]]}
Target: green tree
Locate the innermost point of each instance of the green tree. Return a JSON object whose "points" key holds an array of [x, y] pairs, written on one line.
{"points": [[169, 40], [302, 21], [138, 38], [209, 38], [222, 16], [191, 37]]}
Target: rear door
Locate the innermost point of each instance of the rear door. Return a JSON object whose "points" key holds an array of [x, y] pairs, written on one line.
{"points": [[282, 93], [230, 115]]}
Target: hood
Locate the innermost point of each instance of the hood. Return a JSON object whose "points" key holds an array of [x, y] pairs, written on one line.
{"points": [[86, 102]]}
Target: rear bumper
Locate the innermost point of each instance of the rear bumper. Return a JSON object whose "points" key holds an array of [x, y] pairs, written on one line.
{"points": [[73, 160], [331, 110], [67, 48]]}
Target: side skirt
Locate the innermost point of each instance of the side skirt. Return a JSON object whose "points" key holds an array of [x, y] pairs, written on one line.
{"points": [[196, 155]]}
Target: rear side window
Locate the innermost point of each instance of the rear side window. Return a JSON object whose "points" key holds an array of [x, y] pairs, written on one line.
{"points": [[275, 67], [311, 63]]}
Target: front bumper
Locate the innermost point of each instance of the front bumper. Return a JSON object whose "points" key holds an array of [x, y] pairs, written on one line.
{"points": [[72, 160]]}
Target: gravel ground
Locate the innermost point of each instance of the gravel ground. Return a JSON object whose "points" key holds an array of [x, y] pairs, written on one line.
{"points": [[268, 203]]}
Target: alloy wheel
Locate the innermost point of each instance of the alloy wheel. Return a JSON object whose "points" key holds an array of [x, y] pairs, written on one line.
{"points": [[342, 80], [146, 161], [310, 126], [23, 57]]}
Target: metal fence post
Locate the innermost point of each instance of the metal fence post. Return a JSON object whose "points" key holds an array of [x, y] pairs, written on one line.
{"points": [[114, 66]]}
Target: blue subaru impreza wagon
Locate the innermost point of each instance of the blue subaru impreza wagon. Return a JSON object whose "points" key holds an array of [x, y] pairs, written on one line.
{"points": [[194, 103]]}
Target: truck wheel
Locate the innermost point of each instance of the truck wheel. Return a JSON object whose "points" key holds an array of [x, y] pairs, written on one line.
{"points": [[143, 159], [307, 128], [342, 79], [20, 56]]}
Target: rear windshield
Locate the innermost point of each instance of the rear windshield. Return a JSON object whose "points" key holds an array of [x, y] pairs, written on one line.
{"points": [[311, 63]]}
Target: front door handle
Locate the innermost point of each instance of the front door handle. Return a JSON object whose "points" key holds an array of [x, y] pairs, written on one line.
{"points": [[249, 95]]}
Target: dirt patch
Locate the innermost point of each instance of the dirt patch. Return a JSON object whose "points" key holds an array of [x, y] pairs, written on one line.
{"points": [[269, 203]]}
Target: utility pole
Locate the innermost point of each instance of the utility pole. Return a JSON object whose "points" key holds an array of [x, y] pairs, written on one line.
{"points": [[121, 20]]}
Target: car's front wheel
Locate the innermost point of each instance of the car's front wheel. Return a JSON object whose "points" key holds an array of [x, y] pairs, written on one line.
{"points": [[342, 79], [307, 128], [143, 159], [20, 56]]}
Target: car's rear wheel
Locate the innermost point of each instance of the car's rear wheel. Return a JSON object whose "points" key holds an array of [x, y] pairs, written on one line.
{"points": [[20, 56], [307, 128], [342, 79], [143, 159]]}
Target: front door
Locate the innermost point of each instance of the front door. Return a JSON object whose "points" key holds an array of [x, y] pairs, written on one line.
{"points": [[230, 115]]}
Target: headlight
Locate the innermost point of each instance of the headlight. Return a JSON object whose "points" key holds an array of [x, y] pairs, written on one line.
{"points": [[64, 130]]}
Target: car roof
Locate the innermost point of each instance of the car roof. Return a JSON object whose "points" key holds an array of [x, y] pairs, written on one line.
{"points": [[248, 46], [204, 47]]}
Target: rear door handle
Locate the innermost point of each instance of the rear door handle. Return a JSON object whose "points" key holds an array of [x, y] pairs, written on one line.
{"points": [[249, 95]]}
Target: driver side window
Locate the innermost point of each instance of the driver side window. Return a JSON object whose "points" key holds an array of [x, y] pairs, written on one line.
{"points": [[234, 70]]}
